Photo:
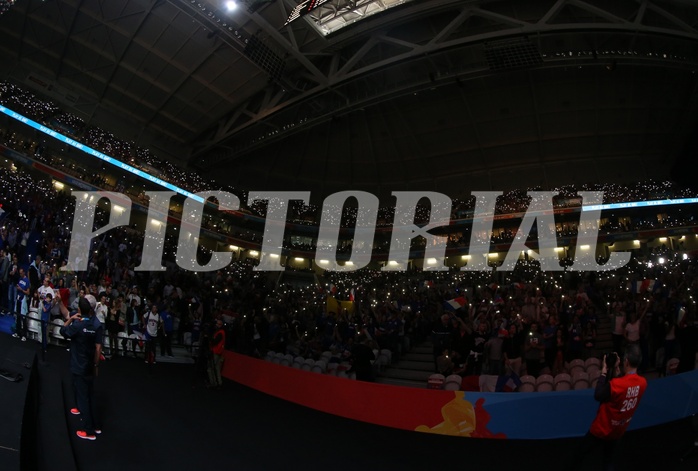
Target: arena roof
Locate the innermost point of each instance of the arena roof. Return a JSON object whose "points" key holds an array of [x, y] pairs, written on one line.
{"points": [[438, 95]]}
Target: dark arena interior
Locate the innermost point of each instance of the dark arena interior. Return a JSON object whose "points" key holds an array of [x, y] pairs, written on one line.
{"points": [[373, 205]]}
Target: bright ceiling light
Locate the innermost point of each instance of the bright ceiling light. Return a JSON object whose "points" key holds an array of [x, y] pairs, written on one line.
{"points": [[231, 6]]}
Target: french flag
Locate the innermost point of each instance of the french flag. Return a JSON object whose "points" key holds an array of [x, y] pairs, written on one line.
{"points": [[455, 303], [643, 286], [351, 295]]}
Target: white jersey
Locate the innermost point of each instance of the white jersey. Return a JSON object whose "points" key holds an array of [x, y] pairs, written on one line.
{"points": [[152, 322], [101, 311], [44, 290]]}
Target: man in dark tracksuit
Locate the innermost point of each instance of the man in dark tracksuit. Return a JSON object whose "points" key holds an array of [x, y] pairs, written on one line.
{"points": [[85, 332]]}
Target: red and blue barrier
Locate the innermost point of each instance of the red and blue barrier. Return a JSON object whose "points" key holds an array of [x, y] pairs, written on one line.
{"points": [[537, 415]]}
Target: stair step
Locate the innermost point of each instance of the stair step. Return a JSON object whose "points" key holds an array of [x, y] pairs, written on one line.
{"points": [[425, 350], [402, 382], [420, 357], [414, 365], [397, 373]]}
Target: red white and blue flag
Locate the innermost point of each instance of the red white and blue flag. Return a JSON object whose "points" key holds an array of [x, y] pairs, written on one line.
{"points": [[643, 286], [455, 303]]}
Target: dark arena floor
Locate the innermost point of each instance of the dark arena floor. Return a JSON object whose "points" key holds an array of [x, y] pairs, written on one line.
{"points": [[163, 418]]}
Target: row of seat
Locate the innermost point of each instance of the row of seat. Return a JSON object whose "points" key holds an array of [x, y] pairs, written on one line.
{"points": [[34, 327], [321, 366], [560, 382], [590, 366], [543, 383], [449, 383]]}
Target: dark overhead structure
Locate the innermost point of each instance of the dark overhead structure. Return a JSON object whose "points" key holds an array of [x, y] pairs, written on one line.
{"points": [[437, 95]]}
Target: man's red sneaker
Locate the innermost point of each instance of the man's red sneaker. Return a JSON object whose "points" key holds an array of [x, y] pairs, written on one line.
{"points": [[85, 436], [75, 411]]}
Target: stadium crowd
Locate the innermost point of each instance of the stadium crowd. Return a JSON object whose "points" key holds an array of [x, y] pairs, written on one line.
{"points": [[501, 312]]}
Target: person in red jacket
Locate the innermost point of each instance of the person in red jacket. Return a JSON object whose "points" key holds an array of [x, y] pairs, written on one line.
{"points": [[619, 396], [217, 346]]}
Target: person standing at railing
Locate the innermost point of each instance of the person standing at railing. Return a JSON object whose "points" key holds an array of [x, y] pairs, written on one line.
{"points": [[12, 280], [217, 345], [167, 331], [22, 306], [46, 306], [153, 325], [5, 262]]}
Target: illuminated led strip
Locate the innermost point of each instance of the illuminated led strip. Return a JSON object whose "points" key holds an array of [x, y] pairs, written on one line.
{"points": [[98, 154], [188, 194], [639, 204]]}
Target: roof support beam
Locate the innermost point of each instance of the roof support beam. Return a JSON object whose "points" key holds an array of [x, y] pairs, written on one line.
{"points": [[342, 75]]}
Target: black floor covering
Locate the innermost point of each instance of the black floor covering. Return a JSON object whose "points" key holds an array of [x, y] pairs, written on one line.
{"points": [[161, 417]]}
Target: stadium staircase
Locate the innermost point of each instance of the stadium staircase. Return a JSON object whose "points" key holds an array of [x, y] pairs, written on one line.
{"points": [[412, 370]]}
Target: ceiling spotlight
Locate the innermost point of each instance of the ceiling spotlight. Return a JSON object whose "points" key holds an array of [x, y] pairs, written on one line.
{"points": [[231, 5]]}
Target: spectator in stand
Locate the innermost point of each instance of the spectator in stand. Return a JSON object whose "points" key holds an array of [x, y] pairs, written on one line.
{"points": [[153, 326], [167, 331], [632, 328], [687, 335], [63, 292], [133, 296], [589, 340], [493, 353], [549, 338], [529, 311], [102, 309], [444, 363], [133, 317], [560, 350], [476, 358], [512, 348], [22, 307], [618, 325], [46, 305], [5, 263], [669, 344], [22, 249], [13, 278], [362, 357], [217, 346], [45, 288], [113, 327], [73, 293], [534, 350], [575, 340], [135, 324], [35, 274], [462, 342]]}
